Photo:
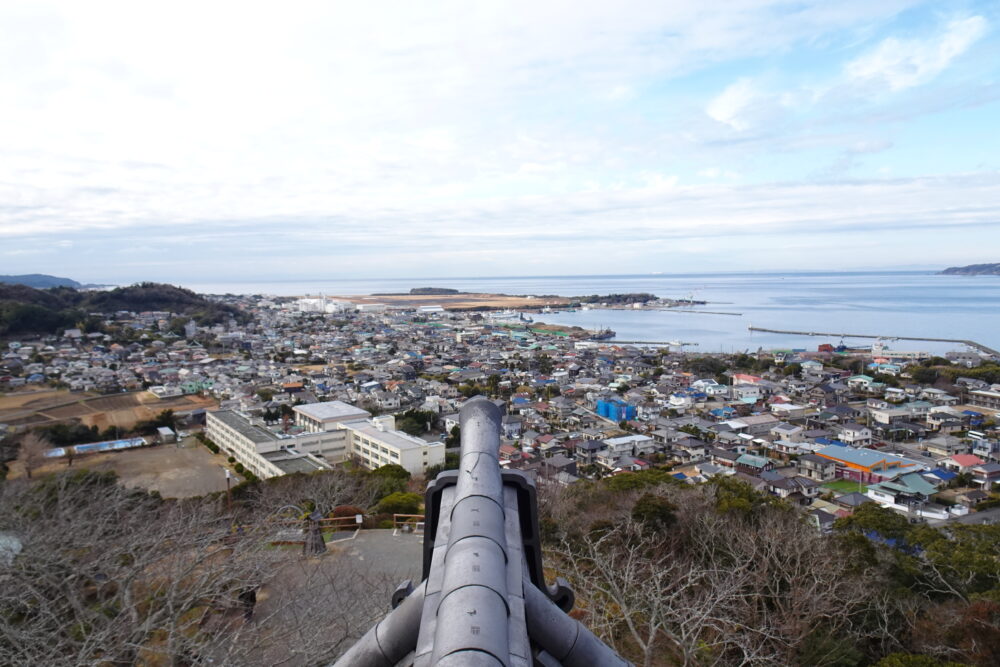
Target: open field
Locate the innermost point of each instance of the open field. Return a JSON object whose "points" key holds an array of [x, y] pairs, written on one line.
{"points": [[459, 301], [844, 486], [176, 471], [122, 410], [34, 400]]}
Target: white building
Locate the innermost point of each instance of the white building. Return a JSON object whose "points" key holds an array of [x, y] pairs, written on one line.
{"points": [[375, 443], [317, 417], [371, 307], [333, 433], [259, 450]]}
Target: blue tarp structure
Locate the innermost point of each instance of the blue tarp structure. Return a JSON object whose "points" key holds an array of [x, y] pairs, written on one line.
{"points": [[105, 446]]}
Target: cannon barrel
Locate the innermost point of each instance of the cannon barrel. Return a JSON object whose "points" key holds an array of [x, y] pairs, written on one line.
{"points": [[483, 600]]}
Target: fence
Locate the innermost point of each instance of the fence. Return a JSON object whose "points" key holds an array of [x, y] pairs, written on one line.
{"points": [[408, 523]]}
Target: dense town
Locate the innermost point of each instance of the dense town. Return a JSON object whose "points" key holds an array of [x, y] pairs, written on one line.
{"points": [[306, 384]]}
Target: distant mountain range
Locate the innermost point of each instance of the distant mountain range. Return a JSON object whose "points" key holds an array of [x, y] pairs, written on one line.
{"points": [[42, 281], [973, 270]]}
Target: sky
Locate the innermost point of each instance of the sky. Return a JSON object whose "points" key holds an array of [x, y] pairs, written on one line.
{"points": [[200, 141]]}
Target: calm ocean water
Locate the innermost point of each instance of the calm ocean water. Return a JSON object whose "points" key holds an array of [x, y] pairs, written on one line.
{"points": [[878, 303]]}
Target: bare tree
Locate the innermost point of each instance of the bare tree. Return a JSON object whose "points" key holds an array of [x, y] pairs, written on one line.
{"points": [[33, 447], [719, 588], [117, 576]]}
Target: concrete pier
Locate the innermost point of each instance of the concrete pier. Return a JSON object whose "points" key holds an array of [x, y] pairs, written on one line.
{"points": [[971, 343]]}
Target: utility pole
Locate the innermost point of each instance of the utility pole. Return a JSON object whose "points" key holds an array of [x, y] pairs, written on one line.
{"points": [[229, 495]]}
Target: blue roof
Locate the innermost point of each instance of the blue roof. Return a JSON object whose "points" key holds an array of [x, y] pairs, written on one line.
{"points": [[862, 457], [943, 475], [828, 441]]}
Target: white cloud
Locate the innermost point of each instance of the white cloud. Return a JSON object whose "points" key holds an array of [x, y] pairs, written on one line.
{"points": [[337, 126], [729, 106], [905, 63], [718, 172]]}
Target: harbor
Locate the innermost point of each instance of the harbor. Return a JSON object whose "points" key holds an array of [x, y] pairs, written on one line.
{"points": [[960, 341]]}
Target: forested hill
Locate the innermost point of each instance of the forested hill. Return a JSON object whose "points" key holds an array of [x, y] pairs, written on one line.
{"points": [[26, 310], [39, 280], [973, 270]]}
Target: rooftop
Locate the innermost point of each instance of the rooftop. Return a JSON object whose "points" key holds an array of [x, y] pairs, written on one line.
{"points": [[290, 461], [868, 458], [239, 424], [396, 439], [332, 411]]}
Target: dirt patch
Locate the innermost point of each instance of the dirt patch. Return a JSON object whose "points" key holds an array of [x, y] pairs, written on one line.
{"points": [[67, 411], [145, 397], [176, 471], [30, 420], [32, 399], [127, 416], [114, 402], [21, 408], [124, 419]]}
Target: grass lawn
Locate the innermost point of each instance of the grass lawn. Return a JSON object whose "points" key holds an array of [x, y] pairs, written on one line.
{"points": [[844, 486]]}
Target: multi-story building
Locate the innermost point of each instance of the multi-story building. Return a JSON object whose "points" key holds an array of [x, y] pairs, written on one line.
{"points": [[334, 434], [818, 468], [984, 398], [375, 443], [257, 449], [318, 417]]}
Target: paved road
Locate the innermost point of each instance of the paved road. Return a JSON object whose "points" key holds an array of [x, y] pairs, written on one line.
{"points": [[986, 516], [340, 595]]}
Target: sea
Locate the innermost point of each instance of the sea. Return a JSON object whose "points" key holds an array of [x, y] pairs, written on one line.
{"points": [[888, 304]]}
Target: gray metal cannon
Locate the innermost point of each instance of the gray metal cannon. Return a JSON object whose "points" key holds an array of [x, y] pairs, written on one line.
{"points": [[482, 600]]}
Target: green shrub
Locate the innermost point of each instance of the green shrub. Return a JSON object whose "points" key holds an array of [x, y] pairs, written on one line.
{"points": [[654, 512], [400, 503], [392, 471]]}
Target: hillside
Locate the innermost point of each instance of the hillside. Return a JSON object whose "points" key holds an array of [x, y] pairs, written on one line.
{"points": [[26, 310], [40, 281], [973, 270]]}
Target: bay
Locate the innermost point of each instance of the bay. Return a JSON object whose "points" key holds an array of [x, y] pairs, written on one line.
{"points": [[897, 303]]}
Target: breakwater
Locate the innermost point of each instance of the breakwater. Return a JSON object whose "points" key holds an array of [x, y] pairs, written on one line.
{"points": [[961, 341]]}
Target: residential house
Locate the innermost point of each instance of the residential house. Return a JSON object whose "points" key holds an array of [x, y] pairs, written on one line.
{"points": [[986, 475], [753, 465], [946, 445], [961, 463], [854, 435], [819, 468]]}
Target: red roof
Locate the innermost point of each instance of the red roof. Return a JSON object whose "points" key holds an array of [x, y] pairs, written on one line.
{"points": [[967, 460]]}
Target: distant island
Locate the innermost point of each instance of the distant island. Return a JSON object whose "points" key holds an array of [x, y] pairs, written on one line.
{"points": [[972, 270], [43, 281]]}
